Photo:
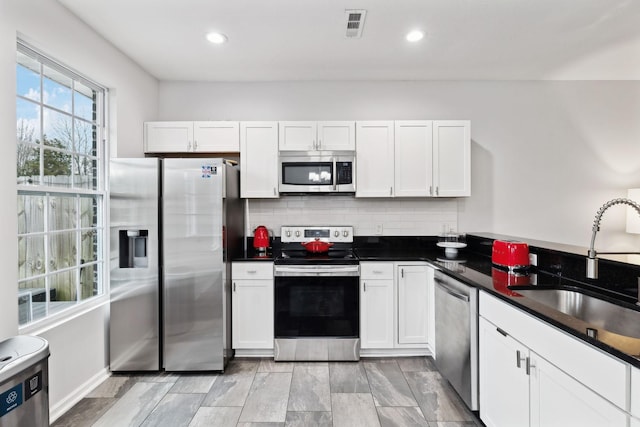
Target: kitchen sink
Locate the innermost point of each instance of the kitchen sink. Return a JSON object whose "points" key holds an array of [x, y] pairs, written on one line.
{"points": [[601, 314]]}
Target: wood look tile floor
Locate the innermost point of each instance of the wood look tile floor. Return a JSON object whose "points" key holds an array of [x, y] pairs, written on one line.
{"points": [[262, 393]]}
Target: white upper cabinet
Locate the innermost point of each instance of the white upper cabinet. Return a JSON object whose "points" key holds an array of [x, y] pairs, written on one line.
{"points": [[413, 150], [316, 136], [168, 137], [413, 158], [188, 137], [259, 159], [211, 137], [374, 159], [452, 158]]}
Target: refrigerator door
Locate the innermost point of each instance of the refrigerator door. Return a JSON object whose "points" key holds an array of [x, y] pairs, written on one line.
{"points": [[134, 265], [193, 264]]}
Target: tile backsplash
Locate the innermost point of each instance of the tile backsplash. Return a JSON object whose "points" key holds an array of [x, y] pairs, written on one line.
{"points": [[387, 217]]}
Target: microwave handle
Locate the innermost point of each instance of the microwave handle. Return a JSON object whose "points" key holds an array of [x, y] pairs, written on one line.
{"points": [[335, 174]]}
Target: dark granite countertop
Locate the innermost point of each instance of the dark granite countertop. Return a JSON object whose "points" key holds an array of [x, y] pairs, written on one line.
{"points": [[473, 266]]}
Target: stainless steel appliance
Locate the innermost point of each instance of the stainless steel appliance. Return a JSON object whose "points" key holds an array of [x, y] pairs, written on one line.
{"points": [[317, 299], [175, 223], [456, 314], [317, 172]]}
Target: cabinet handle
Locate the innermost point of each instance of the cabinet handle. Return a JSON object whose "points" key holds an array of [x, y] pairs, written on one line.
{"points": [[274, 191], [252, 271], [402, 273], [319, 144], [391, 191], [519, 359], [313, 144], [365, 286], [195, 145], [234, 286], [377, 271], [437, 190], [431, 190], [188, 145], [529, 366], [501, 332]]}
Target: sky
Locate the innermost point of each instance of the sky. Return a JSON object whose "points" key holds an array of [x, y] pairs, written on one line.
{"points": [[53, 94]]}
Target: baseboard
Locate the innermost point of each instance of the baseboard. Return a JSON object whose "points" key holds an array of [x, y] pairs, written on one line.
{"points": [[255, 353], [76, 396], [395, 352]]}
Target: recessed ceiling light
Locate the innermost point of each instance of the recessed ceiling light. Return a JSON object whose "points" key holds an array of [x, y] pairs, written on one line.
{"points": [[415, 36], [217, 38]]}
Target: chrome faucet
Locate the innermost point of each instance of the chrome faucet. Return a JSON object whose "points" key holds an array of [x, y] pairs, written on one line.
{"points": [[592, 261]]}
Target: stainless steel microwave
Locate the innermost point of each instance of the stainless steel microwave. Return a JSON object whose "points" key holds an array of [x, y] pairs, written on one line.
{"points": [[321, 172]]}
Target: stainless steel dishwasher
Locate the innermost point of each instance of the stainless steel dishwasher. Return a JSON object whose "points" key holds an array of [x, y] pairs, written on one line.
{"points": [[456, 314]]}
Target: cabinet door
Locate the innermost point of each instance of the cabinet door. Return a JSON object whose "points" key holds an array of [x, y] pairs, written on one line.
{"points": [[452, 158], [252, 314], [504, 386], [297, 136], [376, 313], [168, 137], [413, 327], [413, 158], [259, 159], [338, 136], [212, 137], [559, 400], [374, 159]]}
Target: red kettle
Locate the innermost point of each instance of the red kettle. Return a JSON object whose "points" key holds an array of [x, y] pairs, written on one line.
{"points": [[261, 238]]}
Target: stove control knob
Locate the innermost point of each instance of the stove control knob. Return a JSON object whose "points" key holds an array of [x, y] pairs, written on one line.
{"points": [[297, 233], [345, 233], [288, 233], [336, 233]]}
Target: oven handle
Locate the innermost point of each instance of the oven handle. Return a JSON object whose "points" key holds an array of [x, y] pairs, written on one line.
{"points": [[333, 270]]}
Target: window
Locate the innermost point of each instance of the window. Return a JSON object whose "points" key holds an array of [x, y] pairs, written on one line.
{"points": [[60, 185]]}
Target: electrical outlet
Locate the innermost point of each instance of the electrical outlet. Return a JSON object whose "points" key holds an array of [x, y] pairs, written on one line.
{"points": [[378, 229], [533, 259]]}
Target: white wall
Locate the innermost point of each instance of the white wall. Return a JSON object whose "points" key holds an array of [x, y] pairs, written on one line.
{"points": [[545, 155], [77, 346]]}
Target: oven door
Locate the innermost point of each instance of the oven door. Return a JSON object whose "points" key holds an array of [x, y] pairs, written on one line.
{"points": [[317, 313]]}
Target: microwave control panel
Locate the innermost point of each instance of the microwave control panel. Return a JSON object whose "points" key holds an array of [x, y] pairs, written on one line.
{"points": [[344, 172]]}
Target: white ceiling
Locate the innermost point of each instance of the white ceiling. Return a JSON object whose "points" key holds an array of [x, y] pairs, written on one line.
{"points": [[284, 40]]}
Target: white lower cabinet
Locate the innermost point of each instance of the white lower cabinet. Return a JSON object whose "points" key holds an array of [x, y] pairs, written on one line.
{"points": [[519, 387], [560, 400], [413, 307], [395, 307], [504, 390], [376, 305], [252, 305]]}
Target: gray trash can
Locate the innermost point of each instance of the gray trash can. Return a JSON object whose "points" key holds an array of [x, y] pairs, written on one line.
{"points": [[24, 382]]}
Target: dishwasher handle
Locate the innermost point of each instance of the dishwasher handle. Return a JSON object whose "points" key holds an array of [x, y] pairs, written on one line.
{"points": [[451, 291]]}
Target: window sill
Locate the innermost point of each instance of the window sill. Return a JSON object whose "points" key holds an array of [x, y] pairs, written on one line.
{"points": [[46, 324]]}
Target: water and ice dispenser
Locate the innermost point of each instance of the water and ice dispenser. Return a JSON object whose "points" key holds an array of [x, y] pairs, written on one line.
{"points": [[133, 248]]}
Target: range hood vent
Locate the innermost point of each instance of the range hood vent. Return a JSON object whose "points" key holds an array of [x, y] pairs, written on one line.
{"points": [[355, 22]]}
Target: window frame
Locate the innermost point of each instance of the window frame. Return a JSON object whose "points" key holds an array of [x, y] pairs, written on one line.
{"points": [[97, 191]]}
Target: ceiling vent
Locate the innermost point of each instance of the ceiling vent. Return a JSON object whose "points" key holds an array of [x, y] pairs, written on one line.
{"points": [[355, 22]]}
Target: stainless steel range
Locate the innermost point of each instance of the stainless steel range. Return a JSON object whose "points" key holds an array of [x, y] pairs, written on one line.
{"points": [[317, 299]]}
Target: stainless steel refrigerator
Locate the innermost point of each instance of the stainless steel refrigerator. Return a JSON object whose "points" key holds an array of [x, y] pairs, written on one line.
{"points": [[175, 224]]}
